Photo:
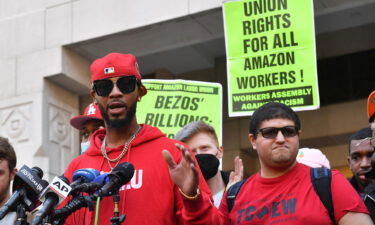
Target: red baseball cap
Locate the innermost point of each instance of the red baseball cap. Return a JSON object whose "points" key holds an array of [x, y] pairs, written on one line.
{"points": [[115, 65], [92, 112]]}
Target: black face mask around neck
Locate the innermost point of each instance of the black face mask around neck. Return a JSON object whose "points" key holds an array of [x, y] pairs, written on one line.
{"points": [[209, 165]]}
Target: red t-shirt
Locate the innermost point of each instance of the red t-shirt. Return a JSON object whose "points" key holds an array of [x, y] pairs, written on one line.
{"points": [[290, 199]]}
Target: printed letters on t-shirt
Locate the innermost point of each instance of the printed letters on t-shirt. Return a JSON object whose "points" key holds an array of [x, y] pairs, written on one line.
{"points": [[256, 211]]}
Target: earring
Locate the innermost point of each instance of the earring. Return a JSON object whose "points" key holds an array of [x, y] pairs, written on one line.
{"points": [[139, 99]]}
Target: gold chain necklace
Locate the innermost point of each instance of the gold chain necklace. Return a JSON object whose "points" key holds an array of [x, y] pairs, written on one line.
{"points": [[124, 150]]}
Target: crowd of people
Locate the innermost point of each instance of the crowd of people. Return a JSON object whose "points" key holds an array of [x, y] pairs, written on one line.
{"points": [[178, 181]]}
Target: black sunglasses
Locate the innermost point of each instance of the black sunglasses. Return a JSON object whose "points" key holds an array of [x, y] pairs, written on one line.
{"points": [[271, 132], [125, 84]]}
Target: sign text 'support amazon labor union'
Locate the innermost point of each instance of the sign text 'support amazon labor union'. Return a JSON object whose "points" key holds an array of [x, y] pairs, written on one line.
{"points": [[171, 104], [270, 47]]}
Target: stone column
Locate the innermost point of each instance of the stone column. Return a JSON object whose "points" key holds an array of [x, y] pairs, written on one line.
{"points": [[40, 93]]}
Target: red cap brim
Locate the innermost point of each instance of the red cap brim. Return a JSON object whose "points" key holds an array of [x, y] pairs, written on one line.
{"points": [[78, 122]]}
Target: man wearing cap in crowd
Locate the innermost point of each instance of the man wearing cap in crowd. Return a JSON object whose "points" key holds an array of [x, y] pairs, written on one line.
{"points": [[151, 197], [87, 124]]}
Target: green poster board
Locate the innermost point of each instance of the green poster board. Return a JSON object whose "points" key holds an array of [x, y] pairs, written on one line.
{"points": [[171, 104], [270, 47]]}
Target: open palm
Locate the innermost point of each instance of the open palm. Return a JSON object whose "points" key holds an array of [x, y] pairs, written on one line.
{"points": [[185, 173]]}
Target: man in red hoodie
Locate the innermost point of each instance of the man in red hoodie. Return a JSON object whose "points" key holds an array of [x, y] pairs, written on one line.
{"points": [[151, 197]]}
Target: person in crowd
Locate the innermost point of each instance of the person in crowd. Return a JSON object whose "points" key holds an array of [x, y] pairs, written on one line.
{"points": [[87, 124], [359, 159], [151, 197], [312, 157], [360, 162], [8, 162], [282, 191], [202, 140]]}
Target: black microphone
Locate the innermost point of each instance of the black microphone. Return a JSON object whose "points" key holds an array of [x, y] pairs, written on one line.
{"points": [[53, 195], [73, 205], [27, 186], [119, 176]]}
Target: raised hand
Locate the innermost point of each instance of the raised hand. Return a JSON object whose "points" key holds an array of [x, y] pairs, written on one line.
{"points": [[185, 173], [237, 174]]}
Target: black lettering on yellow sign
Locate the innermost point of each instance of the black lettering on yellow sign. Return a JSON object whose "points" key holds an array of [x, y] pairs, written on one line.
{"points": [[256, 7], [284, 40], [266, 80], [255, 44], [177, 102], [267, 23], [173, 120], [274, 59]]}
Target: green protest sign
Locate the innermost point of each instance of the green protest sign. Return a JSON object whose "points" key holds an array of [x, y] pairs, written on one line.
{"points": [[270, 47], [171, 104]]}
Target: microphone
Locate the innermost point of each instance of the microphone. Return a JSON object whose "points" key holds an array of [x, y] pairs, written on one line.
{"points": [[83, 176], [119, 176], [27, 186], [98, 182], [73, 205], [53, 195]]}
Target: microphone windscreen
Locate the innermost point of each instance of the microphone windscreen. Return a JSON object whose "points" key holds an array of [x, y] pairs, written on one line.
{"points": [[38, 171], [125, 171]]}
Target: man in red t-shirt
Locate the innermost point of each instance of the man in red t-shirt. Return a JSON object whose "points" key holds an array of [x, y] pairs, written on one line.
{"points": [[282, 191]]}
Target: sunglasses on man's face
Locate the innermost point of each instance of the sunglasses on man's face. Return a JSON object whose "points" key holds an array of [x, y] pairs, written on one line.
{"points": [[124, 84], [271, 132]]}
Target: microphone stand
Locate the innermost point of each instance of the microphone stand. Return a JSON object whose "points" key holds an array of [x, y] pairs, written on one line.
{"points": [[21, 215], [117, 219], [47, 220]]}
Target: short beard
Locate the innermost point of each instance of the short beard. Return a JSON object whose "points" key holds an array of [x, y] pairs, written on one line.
{"points": [[119, 123]]}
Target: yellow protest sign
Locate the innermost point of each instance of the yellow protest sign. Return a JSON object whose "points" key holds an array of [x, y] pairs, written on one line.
{"points": [[171, 104], [270, 48]]}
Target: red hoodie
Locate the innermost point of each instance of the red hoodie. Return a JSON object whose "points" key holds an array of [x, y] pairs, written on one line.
{"points": [[150, 197]]}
